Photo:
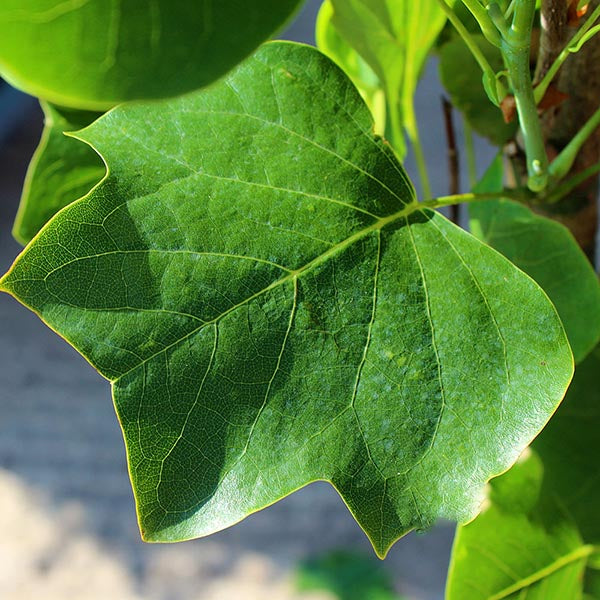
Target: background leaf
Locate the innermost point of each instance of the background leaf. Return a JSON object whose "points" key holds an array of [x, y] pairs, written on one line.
{"points": [[514, 551], [346, 576], [62, 170], [94, 54], [546, 251], [330, 42], [547, 539], [461, 76], [273, 307], [395, 38]]}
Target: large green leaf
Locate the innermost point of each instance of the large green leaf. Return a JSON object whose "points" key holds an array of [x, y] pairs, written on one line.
{"points": [[273, 307], [461, 76], [330, 42], [546, 251], [513, 551], [540, 542], [394, 37], [94, 54], [61, 171]]}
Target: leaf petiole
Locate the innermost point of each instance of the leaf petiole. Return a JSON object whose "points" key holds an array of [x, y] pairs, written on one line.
{"points": [[485, 23], [562, 164]]}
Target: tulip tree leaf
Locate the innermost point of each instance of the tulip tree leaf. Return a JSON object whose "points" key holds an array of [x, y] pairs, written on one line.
{"points": [[331, 42], [94, 54], [62, 170], [274, 307], [394, 37], [546, 251], [541, 540]]}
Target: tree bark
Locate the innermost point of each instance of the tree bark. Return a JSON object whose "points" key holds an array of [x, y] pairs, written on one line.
{"points": [[579, 78]]}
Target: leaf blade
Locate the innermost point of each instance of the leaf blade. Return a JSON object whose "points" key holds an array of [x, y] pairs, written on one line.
{"points": [[300, 331]]}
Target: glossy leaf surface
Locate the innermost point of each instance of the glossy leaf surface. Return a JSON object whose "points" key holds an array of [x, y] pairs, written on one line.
{"points": [[62, 170], [546, 251], [273, 307], [94, 54]]}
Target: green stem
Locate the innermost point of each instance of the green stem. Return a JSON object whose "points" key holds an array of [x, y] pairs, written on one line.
{"points": [[567, 186], [485, 23], [573, 46], [515, 49], [468, 39], [562, 164], [443, 201]]}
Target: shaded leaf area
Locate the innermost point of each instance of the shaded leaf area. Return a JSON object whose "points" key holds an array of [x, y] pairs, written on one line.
{"points": [[62, 170], [513, 549], [461, 76], [548, 252], [94, 54], [330, 42], [346, 576], [273, 307], [537, 536], [394, 37]]}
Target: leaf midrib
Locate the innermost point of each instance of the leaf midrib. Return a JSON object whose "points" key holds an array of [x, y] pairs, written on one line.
{"points": [[291, 276]]}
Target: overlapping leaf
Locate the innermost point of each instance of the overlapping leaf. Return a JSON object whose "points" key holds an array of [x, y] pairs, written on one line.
{"points": [[273, 307], [546, 251], [330, 42], [62, 170], [94, 54], [394, 37]]}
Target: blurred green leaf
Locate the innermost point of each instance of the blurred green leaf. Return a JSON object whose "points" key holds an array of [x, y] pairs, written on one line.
{"points": [[62, 170], [395, 38], [461, 76], [93, 54], [346, 576], [331, 42]]}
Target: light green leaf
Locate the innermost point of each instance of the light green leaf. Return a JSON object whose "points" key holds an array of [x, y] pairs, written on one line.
{"points": [[94, 54], [546, 251], [273, 307], [395, 38], [61, 171], [330, 42], [543, 537], [461, 76], [512, 550]]}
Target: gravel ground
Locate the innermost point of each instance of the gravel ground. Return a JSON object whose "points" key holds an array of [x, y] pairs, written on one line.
{"points": [[66, 507]]}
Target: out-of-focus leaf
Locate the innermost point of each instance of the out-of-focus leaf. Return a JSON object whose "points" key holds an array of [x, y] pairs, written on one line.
{"points": [[461, 76], [62, 170], [331, 42], [395, 38], [93, 54]]}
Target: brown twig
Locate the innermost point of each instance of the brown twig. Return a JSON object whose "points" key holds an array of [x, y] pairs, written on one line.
{"points": [[453, 159]]}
